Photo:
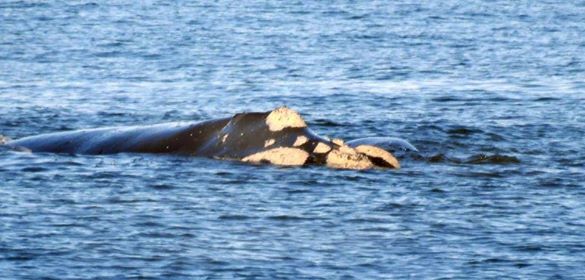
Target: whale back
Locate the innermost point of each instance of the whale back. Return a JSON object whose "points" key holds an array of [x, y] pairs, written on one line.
{"points": [[161, 138]]}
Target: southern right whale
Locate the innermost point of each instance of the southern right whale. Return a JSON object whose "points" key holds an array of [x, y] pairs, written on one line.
{"points": [[279, 137]]}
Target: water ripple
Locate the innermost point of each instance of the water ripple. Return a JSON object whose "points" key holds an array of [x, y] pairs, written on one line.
{"points": [[491, 95]]}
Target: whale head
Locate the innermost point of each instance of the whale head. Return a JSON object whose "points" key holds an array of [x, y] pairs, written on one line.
{"points": [[282, 137]]}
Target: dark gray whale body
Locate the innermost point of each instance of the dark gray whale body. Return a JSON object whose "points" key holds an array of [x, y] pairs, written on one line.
{"points": [[278, 137]]}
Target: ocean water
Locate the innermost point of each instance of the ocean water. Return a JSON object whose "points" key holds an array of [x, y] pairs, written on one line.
{"points": [[492, 93]]}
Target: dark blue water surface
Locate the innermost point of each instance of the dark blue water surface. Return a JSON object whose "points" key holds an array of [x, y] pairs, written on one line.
{"points": [[491, 92]]}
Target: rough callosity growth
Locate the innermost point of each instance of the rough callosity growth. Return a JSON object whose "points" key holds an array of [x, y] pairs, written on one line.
{"points": [[347, 150], [300, 141], [280, 156], [377, 153], [283, 117], [362, 157], [269, 142], [321, 148], [338, 141], [345, 159]]}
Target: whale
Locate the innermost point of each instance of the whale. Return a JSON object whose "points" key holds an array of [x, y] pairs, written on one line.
{"points": [[279, 137]]}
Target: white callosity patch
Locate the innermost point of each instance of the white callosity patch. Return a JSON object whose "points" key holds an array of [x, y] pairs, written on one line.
{"points": [[269, 142], [321, 148], [338, 141], [347, 150], [300, 141], [347, 158], [283, 117], [280, 156], [375, 152]]}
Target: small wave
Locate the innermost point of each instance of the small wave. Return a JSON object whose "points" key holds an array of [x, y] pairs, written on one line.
{"points": [[492, 159], [446, 99], [235, 217], [390, 206], [21, 256], [488, 260], [372, 86], [472, 101], [437, 190], [287, 218], [34, 169], [112, 114], [148, 224], [161, 187], [472, 174], [437, 158], [474, 159], [546, 99], [463, 131], [118, 200], [325, 122]]}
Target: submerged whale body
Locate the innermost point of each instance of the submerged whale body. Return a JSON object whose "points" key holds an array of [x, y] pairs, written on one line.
{"points": [[279, 137]]}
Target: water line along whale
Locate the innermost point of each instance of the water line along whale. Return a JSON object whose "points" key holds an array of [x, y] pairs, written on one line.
{"points": [[279, 137]]}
